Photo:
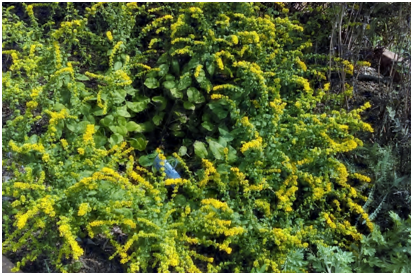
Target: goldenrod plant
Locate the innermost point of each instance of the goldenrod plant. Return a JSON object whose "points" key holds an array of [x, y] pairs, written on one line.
{"points": [[95, 96]]}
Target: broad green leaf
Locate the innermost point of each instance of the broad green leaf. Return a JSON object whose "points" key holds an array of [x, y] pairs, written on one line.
{"points": [[160, 99], [216, 149], [200, 149], [164, 68], [184, 82], [169, 77], [195, 96], [151, 83], [117, 65], [139, 143], [99, 140], [118, 96], [218, 110], [138, 106], [189, 106], [182, 151], [169, 84], [123, 112], [157, 119], [146, 161], [208, 125], [119, 130], [135, 127], [82, 77], [206, 85], [122, 121], [131, 91], [115, 139], [210, 65], [107, 120], [176, 93], [232, 154], [71, 125]]}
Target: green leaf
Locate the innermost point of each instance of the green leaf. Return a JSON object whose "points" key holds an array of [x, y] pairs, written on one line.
{"points": [[182, 151], [208, 125], [139, 143], [151, 83], [216, 149], [210, 65], [200, 149], [188, 105], [82, 77], [206, 85], [195, 96], [100, 140], [71, 125], [160, 99], [115, 139], [170, 84], [176, 93], [157, 119], [146, 161], [117, 65], [218, 110], [232, 154], [107, 120], [123, 112], [184, 82], [201, 76], [119, 96], [135, 127], [164, 68], [169, 77], [122, 121], [131, 91], [138, 106]]}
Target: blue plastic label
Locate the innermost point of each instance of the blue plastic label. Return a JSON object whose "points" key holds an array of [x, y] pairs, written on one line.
{"points": [[169, 170]]}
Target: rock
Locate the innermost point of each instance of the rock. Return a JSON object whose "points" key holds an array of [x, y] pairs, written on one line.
{"points": [[7, 265]]}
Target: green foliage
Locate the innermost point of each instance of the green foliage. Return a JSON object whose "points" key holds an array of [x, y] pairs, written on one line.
{"points": [[386, 252], [331, 259], [220, 83]]}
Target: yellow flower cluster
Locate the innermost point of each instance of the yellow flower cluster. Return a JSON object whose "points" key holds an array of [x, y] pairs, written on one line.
{"points": [[65, 231], [254, 144], [198, 70], [58, 56], [216, 203], [301, 64], [124, 77], [303, 82], [113, 53], [264, 206], [175, 181], [109, 35], [249, 37], [156, 23], [83, 209], [240, 176], [153, 41], [88, 136], [26, 147], [329, 221], [360, 177]]}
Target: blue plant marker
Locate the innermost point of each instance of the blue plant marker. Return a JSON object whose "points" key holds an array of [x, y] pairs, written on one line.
{"points": [[169, 170]]}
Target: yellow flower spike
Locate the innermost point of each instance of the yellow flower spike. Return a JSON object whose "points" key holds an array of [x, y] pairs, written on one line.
{"points": [[109, 35], [83, 209]]}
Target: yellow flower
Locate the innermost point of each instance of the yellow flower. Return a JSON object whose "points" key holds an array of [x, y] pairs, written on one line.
{"points": [[81, 151], [88, 136], [109, 35], [83, 209]]}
